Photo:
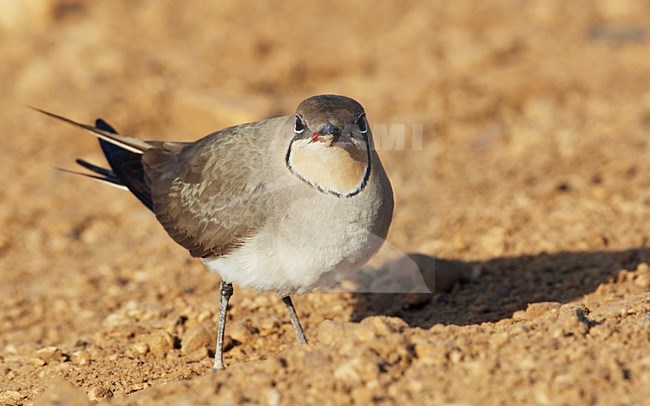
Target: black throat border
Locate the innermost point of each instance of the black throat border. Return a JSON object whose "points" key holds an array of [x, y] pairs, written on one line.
{"points": [[355, 192]]}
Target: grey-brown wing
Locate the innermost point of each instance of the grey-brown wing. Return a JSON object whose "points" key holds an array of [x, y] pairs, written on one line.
{"points": [[208, 195]]}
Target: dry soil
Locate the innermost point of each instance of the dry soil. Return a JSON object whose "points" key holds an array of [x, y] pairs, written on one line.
{"points": [[525, 163]]}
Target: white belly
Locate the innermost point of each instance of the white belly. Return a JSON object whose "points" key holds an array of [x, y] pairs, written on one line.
{"points": [[301, 251]]}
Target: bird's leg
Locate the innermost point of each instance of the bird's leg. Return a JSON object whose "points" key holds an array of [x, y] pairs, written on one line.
{"points": [[225, 292], [300, 335]]}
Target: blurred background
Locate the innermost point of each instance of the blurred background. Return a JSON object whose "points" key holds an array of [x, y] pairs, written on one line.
{"points": [[535, 133]]}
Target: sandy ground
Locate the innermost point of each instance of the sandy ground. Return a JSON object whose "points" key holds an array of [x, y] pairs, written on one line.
{"points": [[532, 176]]}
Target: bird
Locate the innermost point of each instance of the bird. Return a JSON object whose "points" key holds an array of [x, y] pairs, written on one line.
{"points": [[285, 205]]}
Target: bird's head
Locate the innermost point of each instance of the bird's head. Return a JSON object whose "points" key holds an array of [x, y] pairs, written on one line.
{"points": [[330, 148]]}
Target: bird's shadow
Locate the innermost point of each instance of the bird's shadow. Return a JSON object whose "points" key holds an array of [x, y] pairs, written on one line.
{"points": [[493, 290]]}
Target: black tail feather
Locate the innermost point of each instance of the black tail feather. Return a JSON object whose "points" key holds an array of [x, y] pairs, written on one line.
{"points": [[110, 180], [125, 165], [97, 169]]}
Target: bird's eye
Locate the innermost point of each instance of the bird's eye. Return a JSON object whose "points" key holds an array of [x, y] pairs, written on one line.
{"points": [[362, 123], [299, 126]]}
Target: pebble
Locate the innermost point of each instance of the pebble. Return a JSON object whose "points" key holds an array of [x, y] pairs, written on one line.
{"points": [[197, 355], [238, 330], [10, 397], [273, 397], [204, 315], [80, 357], [384, 325], [99, 392], [268, 326], [37, 362], [365, 334], [50, 354], [642, 281], [159, 342], [428, 353], [356, 371], [11, 349], [568, 323], [117, 320], [499, 339], [138, 348], [536, 310], [195, 339], [455, 356]]}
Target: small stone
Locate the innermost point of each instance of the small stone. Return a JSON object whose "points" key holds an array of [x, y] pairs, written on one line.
{"points": [[499, 339], [347, 372], [50, 354], [10, 397], [239, 331], [570, 323], [268, 325], [428, 354], [159, 343], [11, 349], [204, 315], [195, 338], [365, 334], [99, 392], [536, 310], [37, 362], [642, 281], [384, 325], [455, 356], [137, 349], [197, 355], [117, 320], [623, 276], [360, 370], [273, 397], [80, 357]]}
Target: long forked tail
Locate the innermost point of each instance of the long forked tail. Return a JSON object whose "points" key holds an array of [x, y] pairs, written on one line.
{"points": [[105, 132], [124, 155]]}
